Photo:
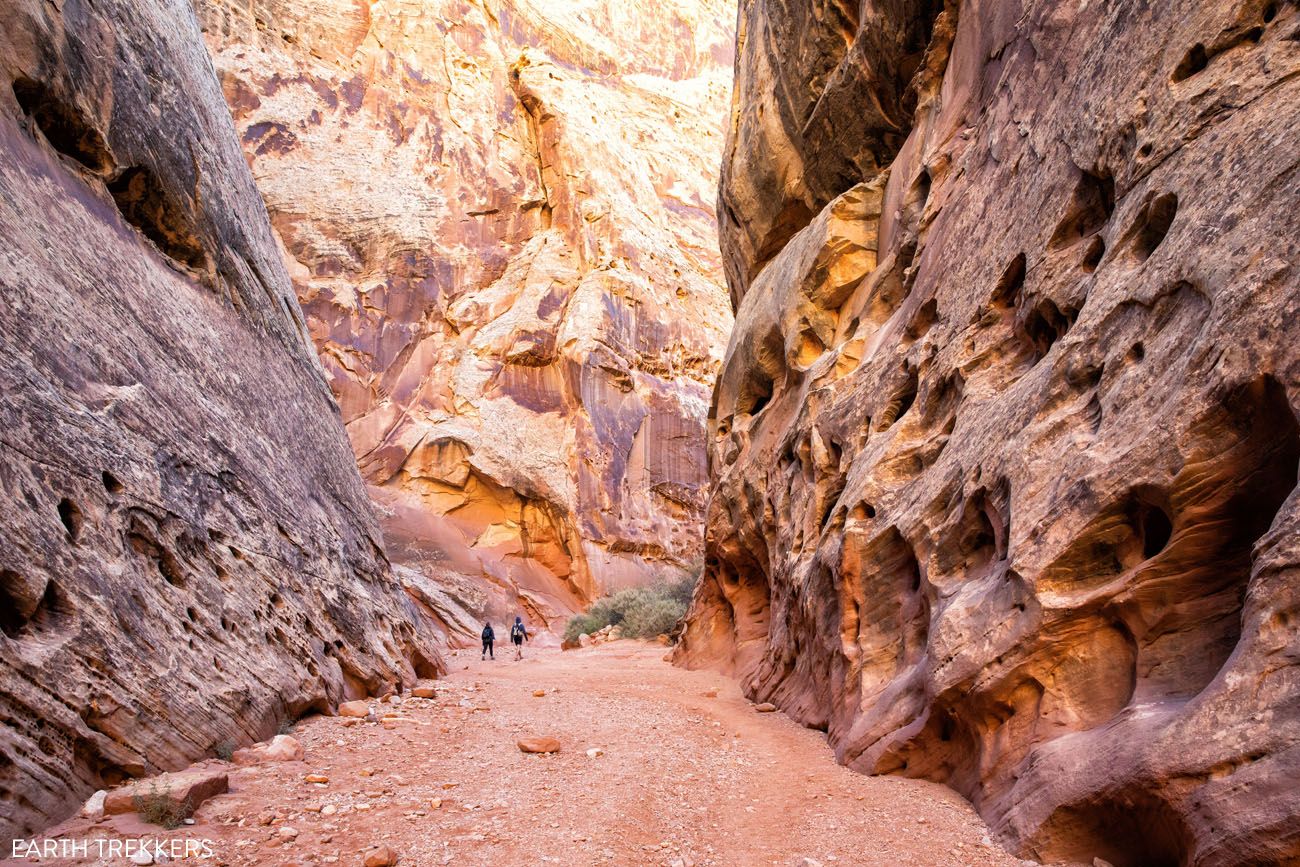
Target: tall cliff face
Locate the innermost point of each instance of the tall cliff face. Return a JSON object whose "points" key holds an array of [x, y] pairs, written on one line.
{"points": [[188, 554], [500, 225], [1004, 450]]}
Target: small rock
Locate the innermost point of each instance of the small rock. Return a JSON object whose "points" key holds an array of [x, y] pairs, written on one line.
{"points": [[287, 832], [712, 692], [355, 709], [379, 856], [435, 803], [765, 707], [584, 640], [595, 753], [328, 810], [424, 692], [538, 745], [316, 778], [144, 856], [281, 748], [94, 806], [538, 693]]}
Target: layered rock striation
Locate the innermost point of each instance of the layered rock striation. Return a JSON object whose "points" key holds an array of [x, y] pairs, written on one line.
{"points": [[188, 555], [1004, 449], [499, 221]]}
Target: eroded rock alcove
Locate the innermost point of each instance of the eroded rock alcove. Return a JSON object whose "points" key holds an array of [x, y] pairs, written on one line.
{"points": [[1004, 450]]}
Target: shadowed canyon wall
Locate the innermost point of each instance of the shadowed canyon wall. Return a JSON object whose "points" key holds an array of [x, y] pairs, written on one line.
{"points": [[1004, 449], [499, 221], [188, 554]]}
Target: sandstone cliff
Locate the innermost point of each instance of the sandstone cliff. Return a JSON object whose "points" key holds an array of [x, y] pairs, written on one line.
{"points": [[1004, 448], [188, 555], [500, 225]]}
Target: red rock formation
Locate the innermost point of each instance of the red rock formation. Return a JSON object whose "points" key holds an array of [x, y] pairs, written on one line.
{"points": [[188, 555], [1005, 446], [499, 223]]}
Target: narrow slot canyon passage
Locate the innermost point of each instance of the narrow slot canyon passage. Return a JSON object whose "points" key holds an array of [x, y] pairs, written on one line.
{"points": [[690, 774]]}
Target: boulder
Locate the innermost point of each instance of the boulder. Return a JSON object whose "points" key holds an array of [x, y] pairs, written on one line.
{"points": [[179, 793], [354, 709], [765, 707], [94, 807]]}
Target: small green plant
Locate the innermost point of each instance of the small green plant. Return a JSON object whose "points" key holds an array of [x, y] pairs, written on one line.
{"points": [[639, 612], [157, 808], [286, 727], [225, 750]]}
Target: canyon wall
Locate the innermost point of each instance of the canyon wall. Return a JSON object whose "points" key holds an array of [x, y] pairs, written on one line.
{"points": [[188, 555], [499, 221], [1004, 449]]}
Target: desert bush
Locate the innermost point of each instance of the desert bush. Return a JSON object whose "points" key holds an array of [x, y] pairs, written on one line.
{"points": [[157, 808], [639, 612], [225, 750]]}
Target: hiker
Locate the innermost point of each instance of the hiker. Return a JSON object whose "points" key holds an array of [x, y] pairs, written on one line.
{"points": [[488, 637], [517, 635]]}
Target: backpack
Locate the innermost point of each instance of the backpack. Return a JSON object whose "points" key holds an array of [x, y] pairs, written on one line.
{"points": [[517, 631], [487, 633]]}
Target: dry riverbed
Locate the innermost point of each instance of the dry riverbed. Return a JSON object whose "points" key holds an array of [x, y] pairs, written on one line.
{"points": [[658, 766]]}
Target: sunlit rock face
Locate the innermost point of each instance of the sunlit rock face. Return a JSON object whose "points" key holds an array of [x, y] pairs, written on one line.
{"points": [[1005, 443], [187, 553], [499, 220]]}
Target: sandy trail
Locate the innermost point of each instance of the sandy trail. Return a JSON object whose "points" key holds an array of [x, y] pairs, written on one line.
{"points": [[685, 779]]}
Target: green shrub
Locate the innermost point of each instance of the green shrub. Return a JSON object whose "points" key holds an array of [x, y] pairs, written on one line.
{"points": [[157, 808], [639, 612], [225, 750]]}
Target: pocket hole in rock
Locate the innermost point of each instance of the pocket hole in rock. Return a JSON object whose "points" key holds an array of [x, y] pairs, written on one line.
{"points": [[1089, 209], [66, 129], [146, 204], [14, 614], [899, 404], [1195, 60], [1007, 292], [1156, 530], [1045, 325], [1152, 225], [111, 483], [70, 515], [1092, 254]]}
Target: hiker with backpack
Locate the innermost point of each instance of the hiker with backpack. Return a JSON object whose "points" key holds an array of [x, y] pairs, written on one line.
{"points": [[517, 635], [488, 638]]}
